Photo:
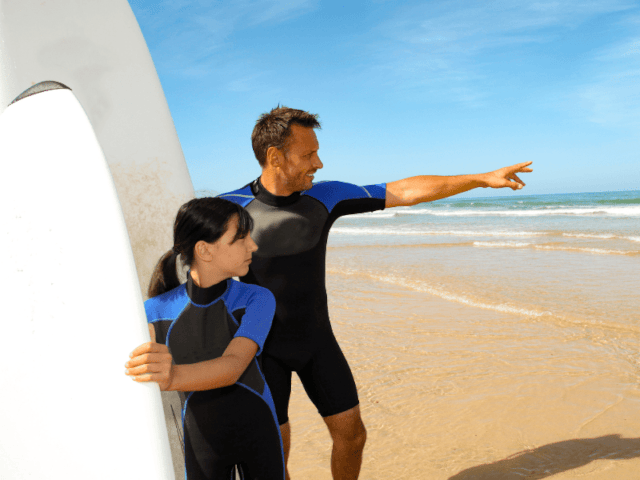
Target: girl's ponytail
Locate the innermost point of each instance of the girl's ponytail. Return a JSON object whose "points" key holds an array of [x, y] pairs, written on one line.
{"points": [[164, 276]]}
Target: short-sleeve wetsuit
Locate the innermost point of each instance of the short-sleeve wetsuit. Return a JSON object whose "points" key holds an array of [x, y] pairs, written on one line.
{"points": [[291, 233], [228, 426]]}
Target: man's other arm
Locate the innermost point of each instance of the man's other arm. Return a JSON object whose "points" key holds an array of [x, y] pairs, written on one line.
{"points": [[427, 188]]}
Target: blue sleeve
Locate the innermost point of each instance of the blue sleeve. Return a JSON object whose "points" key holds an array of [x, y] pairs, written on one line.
{"points": [[167, 306], [257, 318], [378, 190], [243, 196], [363, 199]]}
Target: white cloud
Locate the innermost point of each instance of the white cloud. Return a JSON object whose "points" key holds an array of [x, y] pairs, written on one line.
{"points": [[192, 37], [490, 21], [619, 51], [614, 101], [612, 97], [442, 47]]}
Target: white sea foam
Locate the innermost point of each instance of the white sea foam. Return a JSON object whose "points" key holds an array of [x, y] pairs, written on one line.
{"points": [[381, 214], [559, 248], [590, 235], [601, 236], [620, 211], [424, 287], [404, 230], [501, 244], [601, 251]]}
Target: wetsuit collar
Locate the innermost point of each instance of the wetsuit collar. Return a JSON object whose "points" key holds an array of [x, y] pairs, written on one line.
{"points": [[269, 198], [204, 296]]}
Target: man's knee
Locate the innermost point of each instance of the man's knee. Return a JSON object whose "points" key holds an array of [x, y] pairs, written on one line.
{"points": [[353, 438], [347, 428], [358, 437]]}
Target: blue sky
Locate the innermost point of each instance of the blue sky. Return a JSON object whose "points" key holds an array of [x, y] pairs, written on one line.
{"points": [[407, 88]]}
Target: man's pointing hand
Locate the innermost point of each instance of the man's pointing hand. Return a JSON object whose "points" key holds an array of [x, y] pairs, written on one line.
{"points": [[506, 177]]}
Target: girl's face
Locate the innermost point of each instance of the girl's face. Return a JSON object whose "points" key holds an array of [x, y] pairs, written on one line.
{"points": [[233, 258]]}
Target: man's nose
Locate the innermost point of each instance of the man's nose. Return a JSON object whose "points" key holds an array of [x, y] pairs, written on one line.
{"points": [[252, 245]]}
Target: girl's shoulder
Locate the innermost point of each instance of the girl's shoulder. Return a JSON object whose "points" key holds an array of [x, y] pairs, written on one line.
{"points": [[168, 305]]}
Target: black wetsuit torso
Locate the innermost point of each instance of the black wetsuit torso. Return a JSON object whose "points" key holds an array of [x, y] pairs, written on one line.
{"points": [[291, 233]]}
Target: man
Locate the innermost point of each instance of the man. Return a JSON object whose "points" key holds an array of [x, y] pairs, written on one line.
{"points": [[292, 220]]}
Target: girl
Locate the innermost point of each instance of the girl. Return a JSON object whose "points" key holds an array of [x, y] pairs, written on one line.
{"points": [[209, 333]]}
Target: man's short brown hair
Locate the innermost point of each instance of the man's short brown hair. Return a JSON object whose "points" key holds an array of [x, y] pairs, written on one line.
{"points": [[274, 128]]}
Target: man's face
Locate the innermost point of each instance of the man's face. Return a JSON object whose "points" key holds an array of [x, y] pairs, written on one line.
{"points": [[301, 159]]}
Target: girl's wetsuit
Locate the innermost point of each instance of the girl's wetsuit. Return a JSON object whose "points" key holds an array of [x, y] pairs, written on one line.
{"points": [[234, 425]]}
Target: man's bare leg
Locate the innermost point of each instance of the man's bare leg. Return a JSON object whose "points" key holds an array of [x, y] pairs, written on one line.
{"points": [[349, 436], [285, 431]]}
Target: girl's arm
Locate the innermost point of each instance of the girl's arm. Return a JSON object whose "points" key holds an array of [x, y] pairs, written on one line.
{"points": [[152, 362]]}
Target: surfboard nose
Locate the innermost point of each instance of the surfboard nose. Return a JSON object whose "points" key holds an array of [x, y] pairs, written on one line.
{"points": [[39, 88]]}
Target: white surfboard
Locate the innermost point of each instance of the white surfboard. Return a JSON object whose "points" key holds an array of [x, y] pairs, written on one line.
{"points": [[72, 309], [97, 49]]}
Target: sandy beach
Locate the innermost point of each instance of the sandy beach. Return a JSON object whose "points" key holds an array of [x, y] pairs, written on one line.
{"points": [[450, 391]]}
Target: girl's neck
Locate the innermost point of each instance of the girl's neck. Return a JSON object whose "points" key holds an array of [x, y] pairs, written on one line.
{"points": [[205, 279]]}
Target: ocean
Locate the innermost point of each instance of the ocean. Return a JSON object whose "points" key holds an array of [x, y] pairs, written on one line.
{"points": [[483, 332], [570, 260]]}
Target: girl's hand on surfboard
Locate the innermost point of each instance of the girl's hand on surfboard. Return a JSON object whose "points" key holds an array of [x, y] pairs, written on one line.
{"points": [[151, 362]]}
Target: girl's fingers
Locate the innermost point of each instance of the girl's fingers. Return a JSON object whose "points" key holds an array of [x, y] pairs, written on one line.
{"points": [[149, 347], [148, 368], [148, 358], [149, 377]]}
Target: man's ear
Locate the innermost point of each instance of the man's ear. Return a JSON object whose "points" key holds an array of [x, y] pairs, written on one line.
{"points": [[275, 157]]}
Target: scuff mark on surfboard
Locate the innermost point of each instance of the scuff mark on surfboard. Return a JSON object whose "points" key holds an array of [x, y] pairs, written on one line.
{"points": [[149, 212]]}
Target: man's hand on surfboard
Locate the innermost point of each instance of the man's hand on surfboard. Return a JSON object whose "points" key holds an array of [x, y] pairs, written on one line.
{"points": [[506, 177], [151, 362]]}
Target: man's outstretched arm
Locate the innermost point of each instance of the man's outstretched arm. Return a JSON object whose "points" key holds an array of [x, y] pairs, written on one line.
{"points": [[427, 188]]}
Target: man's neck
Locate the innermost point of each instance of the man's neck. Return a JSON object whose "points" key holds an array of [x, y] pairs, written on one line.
{"points": [[274, 183]]}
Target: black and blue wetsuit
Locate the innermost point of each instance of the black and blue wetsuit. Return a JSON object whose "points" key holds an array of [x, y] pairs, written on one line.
{"points": [[234, 425], [291, 233]]}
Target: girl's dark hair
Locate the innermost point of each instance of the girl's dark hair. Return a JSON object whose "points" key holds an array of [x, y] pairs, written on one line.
{"points": [[204, 219]]}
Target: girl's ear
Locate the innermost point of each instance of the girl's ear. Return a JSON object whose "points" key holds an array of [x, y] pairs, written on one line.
{"points": [[203, 251]]}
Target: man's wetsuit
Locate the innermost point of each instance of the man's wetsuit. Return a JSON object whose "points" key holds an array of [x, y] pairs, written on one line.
{"points": [[291, 233], [234, 425]]}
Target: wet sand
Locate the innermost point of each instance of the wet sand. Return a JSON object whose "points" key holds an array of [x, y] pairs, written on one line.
{"points": [[450, 391]]}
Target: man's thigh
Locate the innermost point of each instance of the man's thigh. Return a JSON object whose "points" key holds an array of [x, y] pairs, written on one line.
{"points": [[328, 380]]}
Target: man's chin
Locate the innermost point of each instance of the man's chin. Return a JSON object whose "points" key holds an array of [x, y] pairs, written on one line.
{"points": [[301, 187]]}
